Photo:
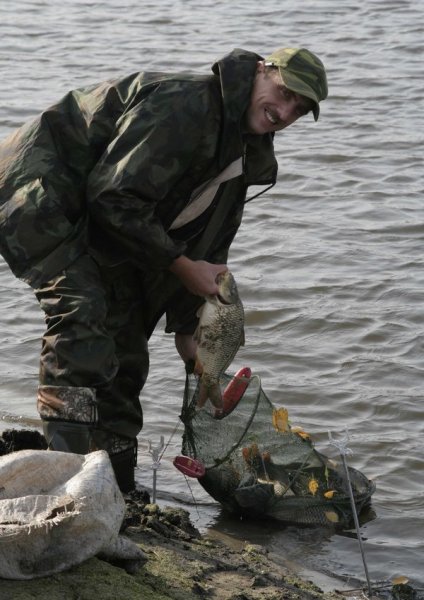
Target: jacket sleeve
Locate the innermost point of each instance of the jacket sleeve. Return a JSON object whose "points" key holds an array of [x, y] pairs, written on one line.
{"points": [[153, 146], [181, 312]]}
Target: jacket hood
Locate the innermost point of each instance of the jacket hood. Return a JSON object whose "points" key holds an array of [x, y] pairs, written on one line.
{"points": [[236, 72]]}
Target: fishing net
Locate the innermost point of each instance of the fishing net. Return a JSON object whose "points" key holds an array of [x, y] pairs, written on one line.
{"points": [[258, 465]]}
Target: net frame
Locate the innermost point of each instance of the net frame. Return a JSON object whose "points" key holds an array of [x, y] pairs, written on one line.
{"points": [[255, 470]]}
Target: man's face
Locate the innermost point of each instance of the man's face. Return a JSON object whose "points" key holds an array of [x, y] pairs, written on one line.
{"points": [[272, 106]]}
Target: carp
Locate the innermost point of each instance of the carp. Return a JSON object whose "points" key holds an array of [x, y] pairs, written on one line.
{"points": [[219, 335]]}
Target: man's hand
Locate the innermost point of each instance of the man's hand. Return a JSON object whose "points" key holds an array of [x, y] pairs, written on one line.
{"points": [[198, 276]]}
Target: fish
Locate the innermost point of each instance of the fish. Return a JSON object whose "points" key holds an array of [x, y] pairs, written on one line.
{"points": [[219, 335]]}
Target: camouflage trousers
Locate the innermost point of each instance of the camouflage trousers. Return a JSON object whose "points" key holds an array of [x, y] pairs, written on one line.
{"points": [[94, 357]]}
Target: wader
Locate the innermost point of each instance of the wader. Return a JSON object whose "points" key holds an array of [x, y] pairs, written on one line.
{"points": [[94, 362]]}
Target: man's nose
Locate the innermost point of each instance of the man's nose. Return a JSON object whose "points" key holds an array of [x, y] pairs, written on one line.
{"points": [[288, 112]]}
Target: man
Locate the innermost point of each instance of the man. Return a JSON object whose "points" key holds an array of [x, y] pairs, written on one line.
{"points": [[119, 205]]}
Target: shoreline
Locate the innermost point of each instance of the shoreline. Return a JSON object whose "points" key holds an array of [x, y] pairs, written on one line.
{"points": [[182, 565]]}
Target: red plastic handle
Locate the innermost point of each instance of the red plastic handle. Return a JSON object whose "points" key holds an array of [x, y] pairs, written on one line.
{"points": [[189, 466], [234, 391]]}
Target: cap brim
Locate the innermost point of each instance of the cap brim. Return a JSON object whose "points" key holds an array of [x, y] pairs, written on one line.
{"points": [[295, 84]]}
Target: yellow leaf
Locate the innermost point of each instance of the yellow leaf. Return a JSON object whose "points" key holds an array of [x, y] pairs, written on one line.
{"points": [[280, 419], [300, 432], [313, 486], [400, 580], [329, 494], [332, 517]]}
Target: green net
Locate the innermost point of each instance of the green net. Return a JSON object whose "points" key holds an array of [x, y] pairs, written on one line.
{"points": [[258, 465]]}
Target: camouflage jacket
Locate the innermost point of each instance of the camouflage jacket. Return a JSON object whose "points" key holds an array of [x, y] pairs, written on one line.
{"points": [[109, 167]]}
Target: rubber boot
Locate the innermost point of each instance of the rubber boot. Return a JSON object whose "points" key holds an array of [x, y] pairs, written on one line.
{"points": [[68, 415], [123, 456], [64, 436], [70, 424], [124, 464], [78, 438]]}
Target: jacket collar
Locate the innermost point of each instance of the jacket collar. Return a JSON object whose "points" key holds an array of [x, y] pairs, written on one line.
{"points": [[236, 72]]}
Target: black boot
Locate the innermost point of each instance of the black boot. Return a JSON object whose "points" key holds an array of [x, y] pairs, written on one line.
{"points": [[64, 436], [68, 415], [70, 424], [78, 438], [123, 464]]}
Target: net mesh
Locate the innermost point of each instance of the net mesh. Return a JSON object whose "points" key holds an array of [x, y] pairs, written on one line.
{"points": [[258, 465]]}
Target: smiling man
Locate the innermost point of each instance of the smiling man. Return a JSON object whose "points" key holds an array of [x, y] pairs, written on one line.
{"points": [[118, 205], [288, 84]]}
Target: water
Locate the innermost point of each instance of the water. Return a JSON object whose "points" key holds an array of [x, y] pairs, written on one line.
{"points": [[329, 263]]}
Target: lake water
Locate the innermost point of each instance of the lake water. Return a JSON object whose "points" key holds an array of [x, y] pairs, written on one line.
{"points": [[329, 263]]}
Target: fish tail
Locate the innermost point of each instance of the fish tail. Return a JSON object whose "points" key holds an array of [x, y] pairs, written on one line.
{"points": [[212, 392], [203, 395], [215, 395]]}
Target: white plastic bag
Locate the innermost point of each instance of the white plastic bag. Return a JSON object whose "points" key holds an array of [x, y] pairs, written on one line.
{"points": [[58, 509]]}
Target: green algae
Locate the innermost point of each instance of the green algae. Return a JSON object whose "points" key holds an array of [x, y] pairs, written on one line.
{"points": [[92, 580], [181, 566]]}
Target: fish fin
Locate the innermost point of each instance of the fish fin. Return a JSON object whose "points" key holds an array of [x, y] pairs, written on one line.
{"points": [[203, 395], [198, 367], [198, 330], [200, 310], [198, 333]]}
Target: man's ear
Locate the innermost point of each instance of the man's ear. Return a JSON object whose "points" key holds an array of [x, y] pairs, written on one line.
{"points": [[260, 66]]}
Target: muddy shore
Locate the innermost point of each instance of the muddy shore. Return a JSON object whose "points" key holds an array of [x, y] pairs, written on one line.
{"points": [[181, 563]]}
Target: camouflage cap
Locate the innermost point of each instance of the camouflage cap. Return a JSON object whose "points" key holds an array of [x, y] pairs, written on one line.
{"points": [[302, 72]]}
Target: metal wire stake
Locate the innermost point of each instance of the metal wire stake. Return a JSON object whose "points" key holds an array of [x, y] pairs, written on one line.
{"points": [[341, 445], [155, 451]]}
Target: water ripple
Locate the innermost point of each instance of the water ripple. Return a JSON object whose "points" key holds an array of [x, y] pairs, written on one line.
{"points": [[329, 262]]}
